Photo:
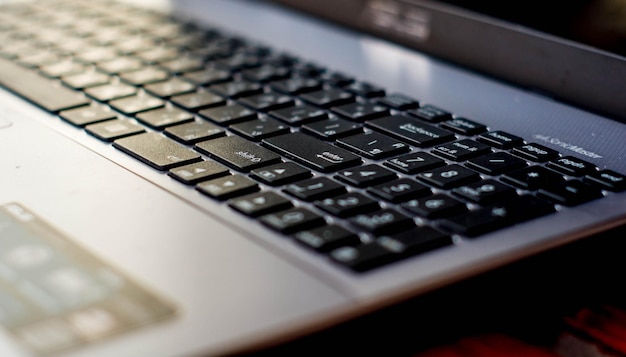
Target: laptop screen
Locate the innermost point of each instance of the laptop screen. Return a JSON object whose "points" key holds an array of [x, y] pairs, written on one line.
{"points": [[575, 53], [598, 23]]}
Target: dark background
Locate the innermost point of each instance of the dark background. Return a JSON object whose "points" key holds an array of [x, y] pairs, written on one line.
{"points": [[599, 23], [527, 301]]}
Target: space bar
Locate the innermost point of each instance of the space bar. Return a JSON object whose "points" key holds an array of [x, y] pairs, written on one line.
{"points": [[44, 92]]}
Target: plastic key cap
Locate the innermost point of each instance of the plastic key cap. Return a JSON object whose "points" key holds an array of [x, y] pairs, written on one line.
{"points": [[312, 152], [238, 153], [292, 220], [156, 150], [226, 187], [40, 90]]}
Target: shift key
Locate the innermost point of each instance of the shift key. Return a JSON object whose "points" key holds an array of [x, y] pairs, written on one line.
{"points": [[312, 152]]}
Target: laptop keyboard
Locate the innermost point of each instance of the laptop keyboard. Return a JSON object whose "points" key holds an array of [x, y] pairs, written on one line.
{"points": [[352, 172]]}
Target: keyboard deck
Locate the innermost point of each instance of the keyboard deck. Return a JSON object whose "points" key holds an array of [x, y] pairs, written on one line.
{"points": [[338, 164]]}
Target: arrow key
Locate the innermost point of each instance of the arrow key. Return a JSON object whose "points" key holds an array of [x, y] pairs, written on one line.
{"points": [[199, 171], [280, 174], [260, 203], [227, 187], [365, 176]]}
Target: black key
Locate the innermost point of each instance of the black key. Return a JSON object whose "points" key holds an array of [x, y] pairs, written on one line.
{"points": [[480, 221], [109, 92], [608, 180], [236, 89], [48, 94], [464, 126], [227, 187], [237, 62], [430, 113], [496, 163], [164, 117], [280, 174], [145, 76], [228, 114], [199, 171], [292, 220], [171, 87], [312, 152], [486, 192], [532, 178], [237, 153], [414, 162], [415, 241], [194, 132], [570, 193], [333, 128], [535, 152], [296, 85], [364, 89], [348, 204], [307, 69], [399, 102], [336, 79], [315, 189], [461, 150], [213, 51], [361, 111], [260, 128], [327, 238], [267, 101], [527, 207], [488, 219], [363, 257], [156, 150], [328, 97], [207, 76], [385, 221], [87, 115], [114, 129], [435, 206], [500, 139], [400, 190], [265, 73], [373, 145], [365, 176], [572, 166], [299, 114], [449, 176], [260, 203], [411, 130], [137, 104], [198, 100]]}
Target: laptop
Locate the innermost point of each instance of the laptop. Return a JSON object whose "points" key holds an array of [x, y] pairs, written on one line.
{"points": [[195, 178]]}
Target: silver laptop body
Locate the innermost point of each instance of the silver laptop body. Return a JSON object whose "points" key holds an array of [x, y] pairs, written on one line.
{"points": [[104, 255]]}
